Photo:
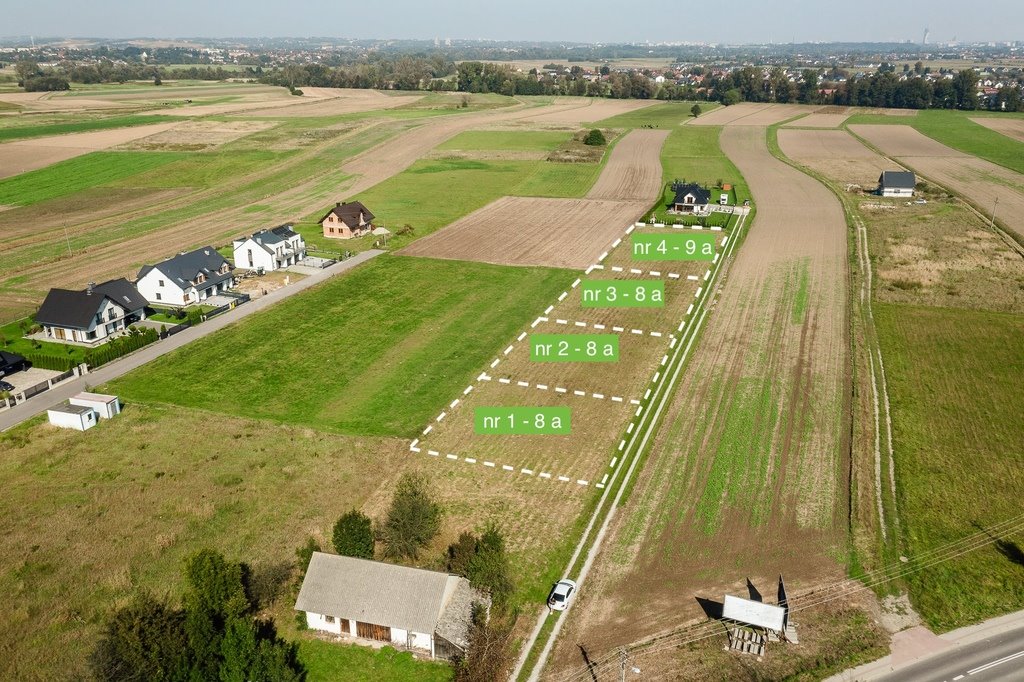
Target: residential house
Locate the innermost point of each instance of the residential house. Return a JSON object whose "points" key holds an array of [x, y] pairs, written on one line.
{"points": [[92, 316], [269, 249], [187, 278], [347, 220], [689, 198], [411, 608], [896, 184]]}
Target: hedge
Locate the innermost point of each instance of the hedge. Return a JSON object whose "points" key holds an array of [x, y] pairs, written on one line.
{"points": [[121, 346], [58, 363]]}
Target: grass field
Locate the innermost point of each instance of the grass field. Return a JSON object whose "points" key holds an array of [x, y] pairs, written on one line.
{"points": [[666, 114], [954, 383], [17, 132], [326, 661], [515, 140], [83, 172], [692, 154], [373, 352], [13, 342], [955, 129]]}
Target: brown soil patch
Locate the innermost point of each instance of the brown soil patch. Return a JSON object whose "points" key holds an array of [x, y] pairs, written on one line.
{"points": [[835, 154], [489, 154], [750, 114], [1011, 127], [566, 233], [758, 339], [335, 102], [980, 182], [39, 152], [558, 232], [196, 135], [818, 120], [588, 110]]}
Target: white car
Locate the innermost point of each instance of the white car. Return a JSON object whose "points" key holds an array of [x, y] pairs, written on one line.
{"points": [[561, 593]]}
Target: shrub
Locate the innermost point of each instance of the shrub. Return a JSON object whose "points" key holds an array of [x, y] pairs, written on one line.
{"points": [[353, 535], [595, 138], [194, 315], [304, 555], [56, 363], [413, 518], [120, 346]]}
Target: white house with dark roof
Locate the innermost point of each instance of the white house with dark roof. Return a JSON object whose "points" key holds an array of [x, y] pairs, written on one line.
{"points": [[896, 184], [91, 316], [689, 198], [271, 250], [187, 278], [410, 608]]}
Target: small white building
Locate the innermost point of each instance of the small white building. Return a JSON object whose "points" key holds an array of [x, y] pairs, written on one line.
{"points": [[896, 184], [269, 249], [68, 416], [187, 278], [410, 608], [105, 406]]}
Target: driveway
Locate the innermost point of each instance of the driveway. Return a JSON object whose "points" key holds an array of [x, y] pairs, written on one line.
{"points": [[113, 370], [29, 377]]}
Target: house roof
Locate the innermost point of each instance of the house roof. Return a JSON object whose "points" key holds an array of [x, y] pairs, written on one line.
{"points": [[267, 238], [377, 593], [67, 408], [185, 267], [897, 179], [122, 292], [348, 213], [70, 309], [701, 195], [10, 359]]}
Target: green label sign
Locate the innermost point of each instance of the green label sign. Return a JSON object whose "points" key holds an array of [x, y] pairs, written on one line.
{"points": [[674, 246], [574, 347], [522, 420], [623, 294]]}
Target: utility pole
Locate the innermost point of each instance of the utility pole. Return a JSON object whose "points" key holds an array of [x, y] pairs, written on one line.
{"points": [[624, 665], [993, 218], [67, 239]]}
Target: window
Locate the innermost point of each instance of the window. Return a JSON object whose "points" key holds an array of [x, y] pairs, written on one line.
{"points": [[328, 619], [249, 251], [160, 282], [158, 296], [332, 230]]}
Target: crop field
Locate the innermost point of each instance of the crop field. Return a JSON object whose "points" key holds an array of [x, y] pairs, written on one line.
{"points": [[588, 109], [819, 119], [442, 320], [954, 380], [835, 154], [751, 114], [662, 114], [747, 473], [43, 126], [980, 182], [513, 140], [1011, 127], [558, 232], [602, 397]]}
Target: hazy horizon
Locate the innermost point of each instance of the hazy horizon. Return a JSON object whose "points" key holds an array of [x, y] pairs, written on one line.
{"points": [[593, 21]]}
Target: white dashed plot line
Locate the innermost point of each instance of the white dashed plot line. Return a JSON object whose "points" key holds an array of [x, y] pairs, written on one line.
{"points": [[699, 290], [428, 429], [615, 244], [441, 416], [489, 464], [547, 311], [508, 350], [468, 390], [561, 297], [521, 336], [544, 474], [601, 327], [706, 275], [725, 240], [693, 278], [453, 403], [495, 363]]}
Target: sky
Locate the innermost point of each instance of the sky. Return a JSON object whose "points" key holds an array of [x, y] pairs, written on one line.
{"points": [[738, 21]]}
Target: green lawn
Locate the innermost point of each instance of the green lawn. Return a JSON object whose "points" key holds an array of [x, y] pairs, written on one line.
{"points": [[20, 132], [83, 172], [12, 341], [376, 351], [661, 115], [329, 661], [954, 383], [692, 154], [515, 140], [206, 169], [955, 129]]}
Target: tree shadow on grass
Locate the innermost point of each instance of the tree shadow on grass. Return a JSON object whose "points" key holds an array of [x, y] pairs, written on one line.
{"points": [[1008, 548]]}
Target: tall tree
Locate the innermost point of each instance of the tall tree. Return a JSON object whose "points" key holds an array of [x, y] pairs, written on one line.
{"points": [[413, 518], [965, 86], [144, 640]]}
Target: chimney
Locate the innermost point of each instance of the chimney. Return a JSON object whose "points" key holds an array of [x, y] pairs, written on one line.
{"points": [[206, 252], [337, 204], [89, 287], [259, 240]]}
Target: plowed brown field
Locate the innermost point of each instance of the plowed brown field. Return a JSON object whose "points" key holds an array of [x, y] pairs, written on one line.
{"points": [[588, 109], [836, 154], [1011, 127], [980, 181], [558, 232], [746, 478], [751, 114]]}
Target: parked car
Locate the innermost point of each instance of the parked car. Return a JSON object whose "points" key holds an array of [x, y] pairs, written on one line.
{"points": [[4, 386], [560, 595]]}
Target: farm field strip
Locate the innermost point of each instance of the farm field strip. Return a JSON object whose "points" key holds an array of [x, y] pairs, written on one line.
{"points": [[643, 353], [1010, 127], [982, 182]]}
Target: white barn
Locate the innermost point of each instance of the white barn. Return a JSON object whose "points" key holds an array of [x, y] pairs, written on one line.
{"points": [[410, 608], [186, 278], [896, 184], [271, 250]]}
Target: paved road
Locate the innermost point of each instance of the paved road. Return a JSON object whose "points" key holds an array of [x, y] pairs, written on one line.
{"points": [[989, 651], [999, 657], [113, 370]]}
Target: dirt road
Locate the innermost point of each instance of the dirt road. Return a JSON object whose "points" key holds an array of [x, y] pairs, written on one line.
{"points": [[746, 477]]}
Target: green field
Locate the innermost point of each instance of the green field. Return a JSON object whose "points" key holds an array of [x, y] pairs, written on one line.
{"points": [[373, 352], [955, 129], [692, 154], [83, 172], [17, 132], [326, 661], [954, 384], [661, 115], [515, 140]]}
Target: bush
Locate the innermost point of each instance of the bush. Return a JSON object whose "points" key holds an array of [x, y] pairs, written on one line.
{"points": [[57, 363], [46, 84], [595, 138], [353, 535], [413, 518], [304, 555], [120, 346], [194, 316], [484, 561]]}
